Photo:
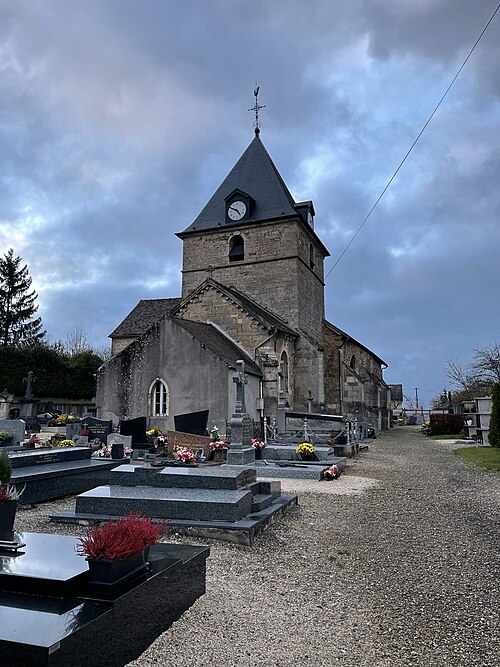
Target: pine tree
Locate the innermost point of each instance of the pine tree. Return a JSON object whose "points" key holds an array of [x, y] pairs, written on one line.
{"points": [[494, 432], [17, 305]]}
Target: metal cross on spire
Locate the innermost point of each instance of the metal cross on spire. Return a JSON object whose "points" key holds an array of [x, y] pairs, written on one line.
{"points": [[256, 107]]}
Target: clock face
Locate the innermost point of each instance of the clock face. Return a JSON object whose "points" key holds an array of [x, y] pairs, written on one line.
{"points": [[236, 210]]}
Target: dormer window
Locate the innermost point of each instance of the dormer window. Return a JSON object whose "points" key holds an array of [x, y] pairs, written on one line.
{"points": [[238, 205], [236, 249]]}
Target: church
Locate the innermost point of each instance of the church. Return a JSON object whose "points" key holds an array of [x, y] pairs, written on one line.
{"points": [[252, 289]]}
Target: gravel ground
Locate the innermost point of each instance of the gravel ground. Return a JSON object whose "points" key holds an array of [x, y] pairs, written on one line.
{"points": [[403, 573]]}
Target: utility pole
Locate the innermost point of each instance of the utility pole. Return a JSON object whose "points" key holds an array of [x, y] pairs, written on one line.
{"points": [[416, 397]]}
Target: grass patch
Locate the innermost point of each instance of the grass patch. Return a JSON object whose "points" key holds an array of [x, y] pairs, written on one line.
{"points": [[458, 436], [481, 457]]}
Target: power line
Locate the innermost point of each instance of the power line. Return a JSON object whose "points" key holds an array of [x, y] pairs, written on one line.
{"points": [[413, 144]]}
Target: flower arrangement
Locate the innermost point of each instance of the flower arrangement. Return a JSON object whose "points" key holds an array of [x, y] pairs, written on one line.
{"points": [[258, 444], [305, 449], [121, 539], [218, 444], [62, 420], [185, 454], [333, 472], [104, 451], [160, 441], [5, 435], [64, 443], [153, 432]]}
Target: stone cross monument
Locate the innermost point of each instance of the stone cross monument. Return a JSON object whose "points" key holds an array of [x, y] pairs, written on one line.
{"points": [[241, 450]]}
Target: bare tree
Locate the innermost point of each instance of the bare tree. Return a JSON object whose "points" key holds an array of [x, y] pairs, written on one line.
{"points": [[77, 340], [479, 376]]}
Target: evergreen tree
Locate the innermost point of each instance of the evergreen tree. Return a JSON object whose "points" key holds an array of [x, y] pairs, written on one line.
{"points": [[494, 433], [17, 305]]}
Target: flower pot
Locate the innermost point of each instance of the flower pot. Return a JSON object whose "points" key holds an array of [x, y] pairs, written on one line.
{"points": [[258, 453], [109, 572], [308, 457], [7, 517], [220, 455]]}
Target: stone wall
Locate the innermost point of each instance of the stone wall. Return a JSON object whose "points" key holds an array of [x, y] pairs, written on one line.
{"points": [[275, 271], [197, 380], [119, 344], [212, 305], [362, 395]]}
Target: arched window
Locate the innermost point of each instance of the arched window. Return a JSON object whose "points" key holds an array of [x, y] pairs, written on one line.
{"points": [[158, 398], [236, 248], [352, 363], [283, 373], [311, 256]]}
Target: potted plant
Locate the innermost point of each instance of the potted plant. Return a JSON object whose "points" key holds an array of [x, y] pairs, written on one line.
{"points": [[116, 550], [306, 451], [218, 450], [9, 495], [5, 438], [259, 446]]}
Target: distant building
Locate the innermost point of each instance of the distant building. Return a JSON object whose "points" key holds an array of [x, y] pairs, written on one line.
{"points": [[252, 289]]}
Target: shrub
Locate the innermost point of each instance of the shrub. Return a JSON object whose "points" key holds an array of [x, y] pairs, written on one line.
{"points": [[446, 424], [5, 467], [121, 539], [494, 433]]}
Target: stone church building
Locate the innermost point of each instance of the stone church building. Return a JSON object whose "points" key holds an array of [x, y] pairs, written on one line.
{"points": [[252, 289]]}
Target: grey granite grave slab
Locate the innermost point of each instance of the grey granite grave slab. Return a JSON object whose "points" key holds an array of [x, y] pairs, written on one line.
{"points": [[213, 477], [199, 504], [56, 480], [285, 452], [243, 531]]}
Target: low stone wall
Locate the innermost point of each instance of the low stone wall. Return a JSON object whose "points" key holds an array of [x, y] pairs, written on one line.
{"points": [[178, 438]]}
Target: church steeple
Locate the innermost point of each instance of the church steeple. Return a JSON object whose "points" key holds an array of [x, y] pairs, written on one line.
{"points": [[256, 175]]}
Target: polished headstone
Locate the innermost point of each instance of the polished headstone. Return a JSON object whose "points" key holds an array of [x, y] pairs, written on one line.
{"points": [[137, 429]]}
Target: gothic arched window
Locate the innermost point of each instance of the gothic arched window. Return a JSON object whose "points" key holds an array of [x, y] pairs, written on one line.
{"points": [[236, 248], [352, 363], [284, 373], [158, 398]]}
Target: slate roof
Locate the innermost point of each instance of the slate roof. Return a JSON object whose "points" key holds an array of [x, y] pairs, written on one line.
{"points": [[143, 316], [255, 174], [213, 339], [348, 337]]}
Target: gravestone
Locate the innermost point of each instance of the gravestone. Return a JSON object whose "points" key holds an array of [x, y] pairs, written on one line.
{"points": [[118, 438], [136, 428], [99, 428], [192, 422], [241, 451], [15, 426], [81, 440]]}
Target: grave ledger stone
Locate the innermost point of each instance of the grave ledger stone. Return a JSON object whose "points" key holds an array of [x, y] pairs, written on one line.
{"points": [[241, 451]]}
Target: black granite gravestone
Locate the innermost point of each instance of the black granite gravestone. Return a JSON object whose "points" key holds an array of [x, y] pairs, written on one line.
{"points": [[99, 428], [117, 451], [137, 429], [192, 422]]}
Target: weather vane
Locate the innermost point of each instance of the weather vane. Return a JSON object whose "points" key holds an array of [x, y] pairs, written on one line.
{"points": [[256, 107]]}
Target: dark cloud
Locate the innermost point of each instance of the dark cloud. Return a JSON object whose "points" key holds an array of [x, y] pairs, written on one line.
{"points": [[120, 119]]}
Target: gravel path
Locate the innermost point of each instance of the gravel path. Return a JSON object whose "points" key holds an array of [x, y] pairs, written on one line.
{"points": [[405, 572]]}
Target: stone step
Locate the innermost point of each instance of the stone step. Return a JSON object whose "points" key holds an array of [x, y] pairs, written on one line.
{"points": [[268, 488], [211, 477], [167, 503], [260, 501]]}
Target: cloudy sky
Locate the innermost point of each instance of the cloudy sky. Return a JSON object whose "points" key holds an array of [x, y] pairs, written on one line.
{"points": [[119, 118]]}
